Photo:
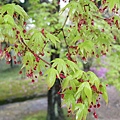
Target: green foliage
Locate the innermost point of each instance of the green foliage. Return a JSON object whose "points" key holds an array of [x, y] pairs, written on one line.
{"points": [[51, 76], [89, 35], [52, 38], [60, 64], [113, 2]]}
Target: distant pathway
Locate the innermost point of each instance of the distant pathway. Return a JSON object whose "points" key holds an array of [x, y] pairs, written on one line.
{"points": [[15, 111], [112, 110]]}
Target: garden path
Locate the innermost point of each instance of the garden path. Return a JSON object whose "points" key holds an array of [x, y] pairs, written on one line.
{"points": [[15, 111]]}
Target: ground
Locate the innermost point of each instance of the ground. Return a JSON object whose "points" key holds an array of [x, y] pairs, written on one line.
{"points": [[112, 110], [15, 111]]}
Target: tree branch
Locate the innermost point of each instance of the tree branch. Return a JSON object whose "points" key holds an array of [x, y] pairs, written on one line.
{"points": [[34, 53], [65, 41]]}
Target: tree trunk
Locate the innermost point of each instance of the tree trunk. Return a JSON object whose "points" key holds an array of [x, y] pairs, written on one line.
{"points": [[54, 103], [55, 111], [86, 66]]}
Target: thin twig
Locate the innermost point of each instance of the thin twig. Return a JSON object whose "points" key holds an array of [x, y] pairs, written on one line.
{"points": [[34, 53], [65, 41], [65, 21]]}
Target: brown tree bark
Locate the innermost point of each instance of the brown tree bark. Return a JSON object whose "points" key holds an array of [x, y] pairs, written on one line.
{"points": [[54, 111]]}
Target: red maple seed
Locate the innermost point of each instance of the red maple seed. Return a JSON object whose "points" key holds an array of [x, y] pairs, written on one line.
{"points": [[69, 111], [35, 68], [90, 106], [81, 80], [40, 73], [92, 22], [18, 62], [100, 93], [70, 88], [16, 36], [117, 24], [83, 58], [7, 62], [58, 2], [14, 15], [94, 88], [113, 10], [58, 92], [98, 105], [19, 54], [95, 115], [115, 37], [25, 23], [97, 56], [105, 8], [42, 31], [15, 45], [107, 50], [79, 100], [89, 110], [33, 80], [13, 29], [37, 59], [27, 63], [62, 96], [93, 53], [103, 30], [20, 72], [14, 57], [94, 106], [5, 49], [62, 76], [102, 52], [24, 31], [18, 32], [42, 54]]}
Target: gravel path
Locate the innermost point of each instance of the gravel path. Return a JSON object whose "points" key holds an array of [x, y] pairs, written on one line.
{"points": [[112, 110], [16, 110]]}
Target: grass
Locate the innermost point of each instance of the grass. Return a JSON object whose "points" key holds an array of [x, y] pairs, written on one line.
{"points": [[8, 73], [41, 115], [12, 84], [22, 88]]}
